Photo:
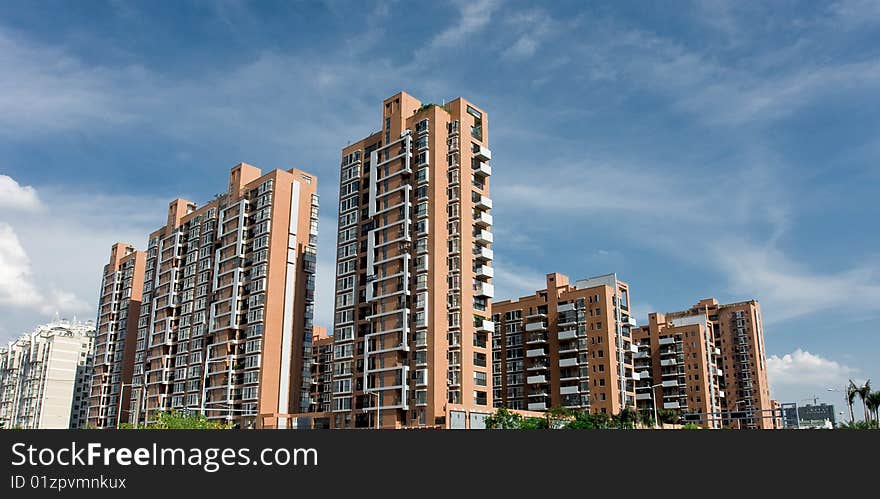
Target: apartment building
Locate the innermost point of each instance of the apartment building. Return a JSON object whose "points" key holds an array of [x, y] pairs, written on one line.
{"points": [[322, 366], [678, 364], [225, 328], [568, 345], [711, 362], [44, 376], [413, 290], [118, 310]]}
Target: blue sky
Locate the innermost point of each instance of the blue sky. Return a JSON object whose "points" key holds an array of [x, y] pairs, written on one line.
{"points": [[706, 148]]}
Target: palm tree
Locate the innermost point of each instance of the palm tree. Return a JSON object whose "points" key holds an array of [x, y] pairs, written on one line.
{"points": [[863, 392], [851, 392], [873, 401]]}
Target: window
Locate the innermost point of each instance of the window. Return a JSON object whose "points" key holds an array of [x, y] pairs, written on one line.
{"points": [[420, 376], [342, 404], [342, 385]]}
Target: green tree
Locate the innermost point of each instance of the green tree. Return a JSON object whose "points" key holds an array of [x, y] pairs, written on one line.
{"points": [[873, 401], [668, 416], [858, 425], [626, 418], [534, 424], [584, 420], [559, 417], [851, 392], [177, 420], [647, 417], [691, 426], [864, 391], [504, 419]]}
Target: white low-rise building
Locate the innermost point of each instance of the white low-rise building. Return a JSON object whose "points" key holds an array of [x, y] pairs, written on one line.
{"points": [[44, 376]]}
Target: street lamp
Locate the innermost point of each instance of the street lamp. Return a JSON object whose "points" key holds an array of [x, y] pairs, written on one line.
{"points": [[846, 399], [119, 408], [375, 393], [653, 399], [739, 422]]}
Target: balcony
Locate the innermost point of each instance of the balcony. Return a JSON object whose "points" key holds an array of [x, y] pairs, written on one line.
{"points": [[670, 383], [666, 340], [483, 219], [643, 396], [483, 203], [716, 351], [537, 339], [536, 352], [569, 362], [483, 237], [486, 326], [539, 406], [567, 307], [569, 390], [482, 152], [536, 326], [484, 289], [482, 169], [567, 335], [668, 362], [671, 405], [484, 254], [533, 380], [484, 272]]}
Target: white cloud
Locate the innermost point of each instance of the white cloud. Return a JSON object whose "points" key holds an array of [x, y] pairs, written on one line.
{"points": [[17, 197], [16, 286], [19, 288], [51, 259], [801, 374]]}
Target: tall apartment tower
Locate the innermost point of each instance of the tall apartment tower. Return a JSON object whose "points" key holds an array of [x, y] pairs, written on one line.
{"points": [[322, 366], [225, 328], [566, 346], [118, 310], [679, 368], [43, 376], [413, 289], [718, 354]]}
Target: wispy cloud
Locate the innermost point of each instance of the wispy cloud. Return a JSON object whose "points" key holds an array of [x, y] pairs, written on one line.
{"points": [[531, 28], [516, 280], [473, 16], [52, 91], [791, 289]]}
